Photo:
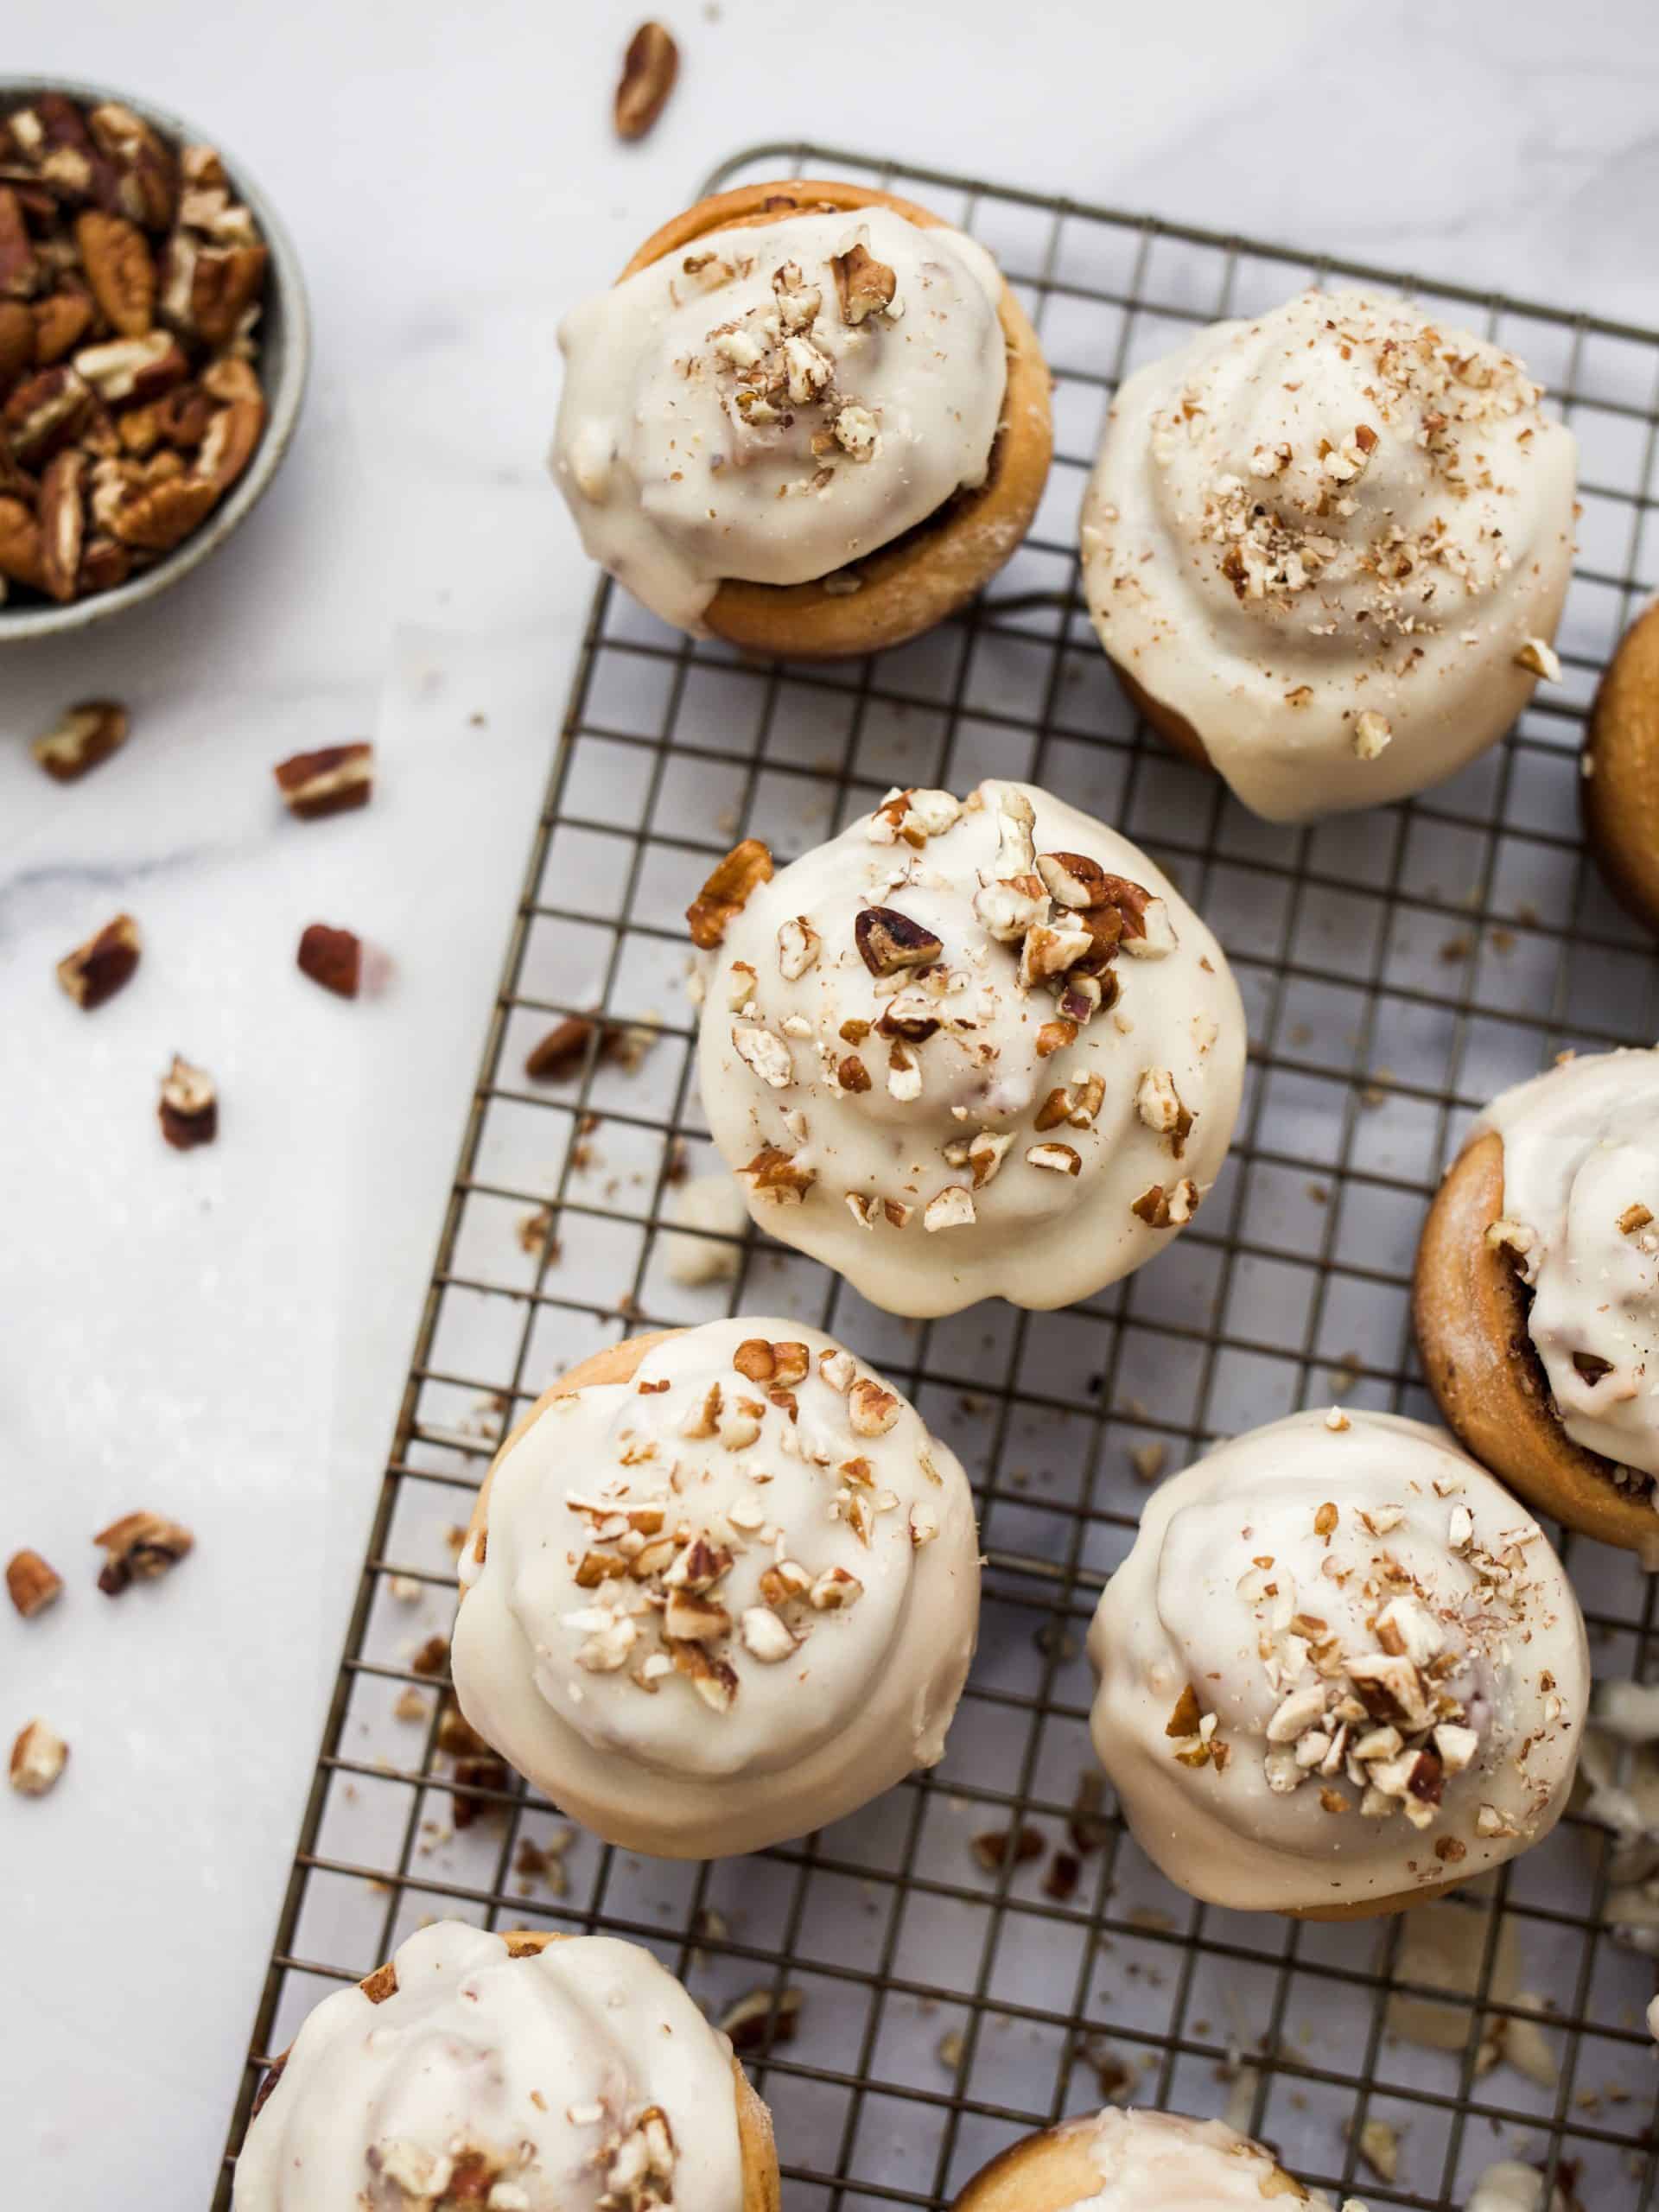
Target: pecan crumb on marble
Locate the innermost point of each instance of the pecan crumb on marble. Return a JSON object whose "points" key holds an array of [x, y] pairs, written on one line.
{"points": [[31, 1583], [138, 1547], [188, 1108]]}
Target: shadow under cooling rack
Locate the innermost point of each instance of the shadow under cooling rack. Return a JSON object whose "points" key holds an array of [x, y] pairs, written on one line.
{"points": [[1398, 967]]}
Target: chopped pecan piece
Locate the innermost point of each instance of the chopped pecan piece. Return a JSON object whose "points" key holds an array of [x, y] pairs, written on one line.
{"points": [[331, 957], [649, 68], [728, 891], [864, 286], [80, 738], [138, 1547], [38, 1758], [20, 268], [331, 780], [98, 969], [888, 941], [188, 1108], [761, 2018], [31, 1584], [559, 1053]]}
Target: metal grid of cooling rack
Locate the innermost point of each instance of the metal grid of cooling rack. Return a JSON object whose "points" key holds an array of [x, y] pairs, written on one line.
{"points": [[1397, 967]]}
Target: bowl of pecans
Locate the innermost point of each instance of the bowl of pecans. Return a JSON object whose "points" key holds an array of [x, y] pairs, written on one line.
{"points": [[153, 345]]}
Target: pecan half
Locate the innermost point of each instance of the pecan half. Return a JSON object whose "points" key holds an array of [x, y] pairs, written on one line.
{"points": [[20, 270], [117, 260], [188, 1106], [225, 282], [63, 523], [331, 957], [60, 320], [232, 432], [98, 969], [649, 68], [18, 343], [728, 891], [138, 1547], [331, 780], [144, 177], [19, 544], [162, 515], [44, 413]]}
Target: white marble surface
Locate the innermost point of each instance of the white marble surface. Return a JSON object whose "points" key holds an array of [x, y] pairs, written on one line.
{"points": [[223, 1335]]}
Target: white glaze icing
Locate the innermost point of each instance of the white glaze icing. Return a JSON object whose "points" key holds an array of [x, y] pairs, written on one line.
{"points": [[1581, 1157], [1245, 1588], [954, 1174], [1256, 568], [1148, 2158], [721, 417], [541, 2067], [844, 1573]]}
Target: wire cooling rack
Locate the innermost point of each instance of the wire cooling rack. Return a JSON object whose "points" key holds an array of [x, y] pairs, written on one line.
{"points": [[1398, 967]]}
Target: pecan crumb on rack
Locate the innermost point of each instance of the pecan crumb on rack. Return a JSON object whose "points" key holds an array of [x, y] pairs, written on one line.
{"points": [[138, 1547], [761, 2018], [1021, 1843], [31, 1583]]}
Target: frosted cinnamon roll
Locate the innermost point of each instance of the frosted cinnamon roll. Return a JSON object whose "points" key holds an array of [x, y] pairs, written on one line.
{"points": [[808, 418], [721, 1588], [1326, 549], [968, 1048], [1341, 1670], [519, 2073], [1536, 1294], [1129, 2161], [1619, 789]]}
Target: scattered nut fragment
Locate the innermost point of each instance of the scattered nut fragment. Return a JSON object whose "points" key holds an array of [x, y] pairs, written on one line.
{"points": [[559, 1054], [32, 1585], [648, 69], [188, 1109], [761, 2018], [331, 780], [98, 969], [138, 1547], [1371, 733], [864, 286], [1020, 1842], [331, 957], [80, 738], [1538, 655], [1379, 2146], [728, 891], [432, 1658], [38, 1758]]}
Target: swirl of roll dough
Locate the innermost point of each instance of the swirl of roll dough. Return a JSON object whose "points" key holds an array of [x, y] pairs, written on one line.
{"points": [[1332, 542], [967, 1049], [722, 1599], [1581, 1223], [1340, 1666]]}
